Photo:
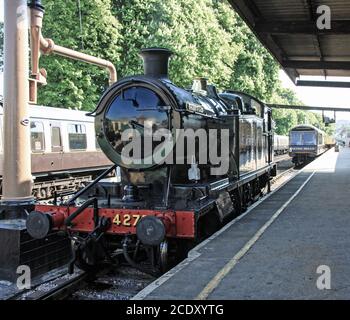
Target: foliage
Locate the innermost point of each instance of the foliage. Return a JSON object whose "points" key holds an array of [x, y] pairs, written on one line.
{"points": [[187, 27], [74, 84], [255, 71], [287, 118]]}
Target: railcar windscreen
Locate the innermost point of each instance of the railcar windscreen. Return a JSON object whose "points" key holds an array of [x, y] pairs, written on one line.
{"points": [[302, 138]]}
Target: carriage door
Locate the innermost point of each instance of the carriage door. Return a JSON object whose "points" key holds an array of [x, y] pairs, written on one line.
{"points": [[56, 138]]}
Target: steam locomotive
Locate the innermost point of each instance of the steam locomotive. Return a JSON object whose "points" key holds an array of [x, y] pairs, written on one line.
{"points": [[185, 163]]}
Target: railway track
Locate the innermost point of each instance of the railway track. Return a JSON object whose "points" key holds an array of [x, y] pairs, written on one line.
{"points": [[283, 173], [58, 288], [61, 288], [285, 170], [123, 284], [283, 157]]}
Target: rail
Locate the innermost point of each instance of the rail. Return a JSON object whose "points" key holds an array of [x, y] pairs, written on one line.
{"points": [[61, 289]]}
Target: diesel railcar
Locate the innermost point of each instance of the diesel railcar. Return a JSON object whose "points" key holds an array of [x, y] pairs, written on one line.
{"points": [[64, 152], [170, 191], [306, 142]]}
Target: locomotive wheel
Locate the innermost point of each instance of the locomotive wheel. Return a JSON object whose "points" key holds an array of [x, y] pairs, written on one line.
{"points": [[237, 203], [43, 193], [256, 190], [247, 196]]}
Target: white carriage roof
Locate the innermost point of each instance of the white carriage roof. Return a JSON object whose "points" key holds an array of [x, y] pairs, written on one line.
{"points": [[44, 112], [307, 126]]}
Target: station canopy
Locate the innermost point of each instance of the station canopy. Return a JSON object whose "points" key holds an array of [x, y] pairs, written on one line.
{"points": [[288, 29]]}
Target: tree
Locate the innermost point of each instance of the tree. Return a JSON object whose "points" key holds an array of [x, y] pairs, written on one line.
{"points": [[255, 71], [73, 84], [187, 27]]}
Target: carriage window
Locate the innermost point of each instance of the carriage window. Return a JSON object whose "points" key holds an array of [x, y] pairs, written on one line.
{"points": [[77, 136], [56, 139], [37, 139]]}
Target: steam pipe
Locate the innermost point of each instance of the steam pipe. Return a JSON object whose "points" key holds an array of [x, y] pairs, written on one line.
{"points": [[48, 46]]}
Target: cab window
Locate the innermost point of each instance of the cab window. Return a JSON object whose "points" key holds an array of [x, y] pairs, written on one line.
{"points": [[256, 107]]}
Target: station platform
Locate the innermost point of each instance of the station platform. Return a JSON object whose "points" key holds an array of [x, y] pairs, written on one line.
{"points": [[281, 248]]}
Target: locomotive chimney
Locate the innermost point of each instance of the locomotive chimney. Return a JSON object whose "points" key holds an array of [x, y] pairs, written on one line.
{"points": [[156, 62]]}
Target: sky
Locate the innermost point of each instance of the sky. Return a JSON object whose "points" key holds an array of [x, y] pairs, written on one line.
{"points": [[312, 96], [321, 97]]}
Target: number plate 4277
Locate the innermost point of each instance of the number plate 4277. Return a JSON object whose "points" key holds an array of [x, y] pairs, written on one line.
{"points": [[127, 220]]}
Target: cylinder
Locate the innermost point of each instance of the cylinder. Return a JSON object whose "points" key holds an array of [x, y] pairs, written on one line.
{"points": [[17, 178]]}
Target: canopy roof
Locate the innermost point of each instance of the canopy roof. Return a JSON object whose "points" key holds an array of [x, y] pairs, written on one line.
{"points": [[288, 29]]}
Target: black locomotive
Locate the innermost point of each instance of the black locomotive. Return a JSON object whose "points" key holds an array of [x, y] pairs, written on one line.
{"points": [[200, 159]]}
